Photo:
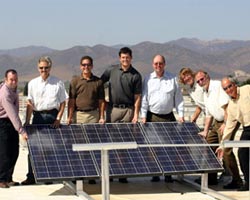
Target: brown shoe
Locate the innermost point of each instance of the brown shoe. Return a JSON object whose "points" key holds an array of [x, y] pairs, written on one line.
{"points": [[13, 183], [4, 185]]}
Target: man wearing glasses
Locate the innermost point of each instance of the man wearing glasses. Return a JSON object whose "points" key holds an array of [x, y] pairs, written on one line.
{"points": [[216, 101], [86, 96], [160, 95], [46, 101], [238, 111]]}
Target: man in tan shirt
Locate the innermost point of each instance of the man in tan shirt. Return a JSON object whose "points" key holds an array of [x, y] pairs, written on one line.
{"points": [[238, 110]]}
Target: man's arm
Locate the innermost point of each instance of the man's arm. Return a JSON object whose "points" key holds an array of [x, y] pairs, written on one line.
{"points": [[208, 123], [196, 114], [56, 123], [101, 111], [71, 109], [29, 110], [137, 106]]}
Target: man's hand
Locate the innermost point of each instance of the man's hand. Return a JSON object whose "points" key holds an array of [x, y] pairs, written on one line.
{"points": [[219, 151], [143, 120], [203, 134], [101, 121], [56, 124], [181, 119], [24, 136], [221, 129]]}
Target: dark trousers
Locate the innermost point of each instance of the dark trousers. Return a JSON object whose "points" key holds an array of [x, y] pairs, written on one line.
{"points": [[243, 154], [41, 118], [9, 149], [153, 117]]}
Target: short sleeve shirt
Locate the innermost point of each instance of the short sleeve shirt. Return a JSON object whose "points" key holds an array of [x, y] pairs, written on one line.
{"points": [[86, 93], [48, 94], [123, 85]]}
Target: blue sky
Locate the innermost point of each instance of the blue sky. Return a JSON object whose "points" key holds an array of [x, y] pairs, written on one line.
{"points": [[62, 24]]}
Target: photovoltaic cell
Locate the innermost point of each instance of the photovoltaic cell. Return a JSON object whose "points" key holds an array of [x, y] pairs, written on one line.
{"points": [[53, 158]]}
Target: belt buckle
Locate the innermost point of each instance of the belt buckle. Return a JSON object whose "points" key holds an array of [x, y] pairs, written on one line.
{"points": [[122, 106]]}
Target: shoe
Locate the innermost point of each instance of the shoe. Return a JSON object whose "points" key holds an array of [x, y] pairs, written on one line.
{"points": [[13, 183], [92, 182], [233, 185], [4, 185], [155, 179], [244, 187], [123, 180], [28, 182], [198, 180], [168, 179]]}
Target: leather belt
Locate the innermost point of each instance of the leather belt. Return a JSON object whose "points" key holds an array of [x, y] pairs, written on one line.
{"points": [[45, 111], [122, 106], [86, 110]]}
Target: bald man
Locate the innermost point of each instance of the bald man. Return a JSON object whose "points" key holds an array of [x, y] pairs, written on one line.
{"points": [[238, 110]]}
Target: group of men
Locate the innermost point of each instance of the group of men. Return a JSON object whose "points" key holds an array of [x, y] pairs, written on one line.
{"points": [[128, 99], [225, 110]]}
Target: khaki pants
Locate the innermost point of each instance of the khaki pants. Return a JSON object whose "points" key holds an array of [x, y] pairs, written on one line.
{"points": [[86, 117], [121, 115], [229, 158]]}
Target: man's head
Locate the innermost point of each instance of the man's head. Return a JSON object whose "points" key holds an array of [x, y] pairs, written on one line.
{"points": [[186, 76], [159, 64], [86, 65], [229, 86], [202, 78], [125, 56], [11, 78], [44, 67]]}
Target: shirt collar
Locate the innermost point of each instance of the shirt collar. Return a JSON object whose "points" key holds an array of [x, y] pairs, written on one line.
{"points": [[153, 75], [47, 80]]}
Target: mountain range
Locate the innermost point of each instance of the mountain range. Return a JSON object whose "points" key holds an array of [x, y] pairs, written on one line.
{"points": [[218, 57]]}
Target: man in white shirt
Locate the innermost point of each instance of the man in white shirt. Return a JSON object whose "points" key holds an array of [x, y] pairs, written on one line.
{"points": [[216, 101], [46, 101], [160, 95]]}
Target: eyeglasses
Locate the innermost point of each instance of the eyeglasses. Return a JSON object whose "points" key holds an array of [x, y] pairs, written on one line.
{"points": [[201, 79], [46, 68], [86, 65], [228, 87], [158, 63]]}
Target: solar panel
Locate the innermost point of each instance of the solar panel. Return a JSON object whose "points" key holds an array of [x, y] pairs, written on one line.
{"points": [[53, 159], [180, 159], [52, 156], [129, 162]]}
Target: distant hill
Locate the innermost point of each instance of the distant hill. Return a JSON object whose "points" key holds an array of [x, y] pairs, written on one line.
{"points": [[218, 57]]}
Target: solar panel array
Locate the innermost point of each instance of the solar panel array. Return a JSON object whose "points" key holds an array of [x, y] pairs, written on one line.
{"points": [[53, 158]]}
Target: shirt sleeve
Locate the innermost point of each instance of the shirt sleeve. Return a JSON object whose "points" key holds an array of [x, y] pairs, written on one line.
{"points": [[144, 103], [106, 75], [12, 112], [179, 104], [230, 125]]}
